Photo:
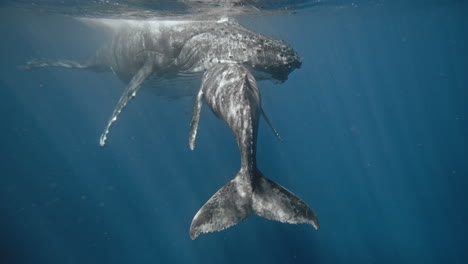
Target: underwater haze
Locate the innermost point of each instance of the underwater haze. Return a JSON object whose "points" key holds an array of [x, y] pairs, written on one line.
{"points": [[374, 127]]}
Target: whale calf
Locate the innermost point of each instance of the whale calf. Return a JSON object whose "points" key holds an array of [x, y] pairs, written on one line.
{"points": [[231, 91], [140, 50]]}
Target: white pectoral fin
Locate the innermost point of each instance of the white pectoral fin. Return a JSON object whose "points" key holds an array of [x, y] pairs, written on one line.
{"points": [[195, 119], [270, 124], [43, 63], [130, 92]]}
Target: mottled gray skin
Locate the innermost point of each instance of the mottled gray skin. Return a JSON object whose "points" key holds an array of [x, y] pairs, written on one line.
{"points": [[195, 46], [231, 58], [167, 49], [230, 90]]}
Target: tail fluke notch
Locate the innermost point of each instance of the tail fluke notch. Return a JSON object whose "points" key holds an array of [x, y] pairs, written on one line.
{"points": [[237, 200]]}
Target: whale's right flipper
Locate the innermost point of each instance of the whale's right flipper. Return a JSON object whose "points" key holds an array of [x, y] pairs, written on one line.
{"points": [[130, 92], [195, 119], [270, 124]]}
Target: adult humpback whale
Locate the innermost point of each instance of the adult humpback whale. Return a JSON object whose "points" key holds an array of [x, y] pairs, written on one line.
{"points": [[232, 94], [159, 49]]}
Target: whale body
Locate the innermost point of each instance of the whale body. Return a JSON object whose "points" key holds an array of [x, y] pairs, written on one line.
{"points": [[230, 90], [140, 49], [231, 59]]}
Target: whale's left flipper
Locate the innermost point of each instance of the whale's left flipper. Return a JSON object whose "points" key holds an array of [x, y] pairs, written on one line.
{"points": [[60, 63], [43, 63], [130, 92]]}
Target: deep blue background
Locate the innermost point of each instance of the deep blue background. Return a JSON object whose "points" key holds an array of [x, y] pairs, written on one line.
{"points": [[375, 129]]}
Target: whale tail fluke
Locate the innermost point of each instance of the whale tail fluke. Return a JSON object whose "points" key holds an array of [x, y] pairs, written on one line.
{"points": [[238, 199], [227, 207], [274, 202]]}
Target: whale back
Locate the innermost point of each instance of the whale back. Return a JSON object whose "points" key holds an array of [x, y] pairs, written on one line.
{"points": [[230, 42], [191, 46]]}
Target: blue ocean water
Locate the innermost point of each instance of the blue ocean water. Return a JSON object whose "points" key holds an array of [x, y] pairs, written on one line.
{"points": [[375, 129]]}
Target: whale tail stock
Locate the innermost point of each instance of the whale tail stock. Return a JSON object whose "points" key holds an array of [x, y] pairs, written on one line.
{"points": [[236, 201]]}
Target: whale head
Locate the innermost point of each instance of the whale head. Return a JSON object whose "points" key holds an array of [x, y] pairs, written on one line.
{"points": [[275, 60]]}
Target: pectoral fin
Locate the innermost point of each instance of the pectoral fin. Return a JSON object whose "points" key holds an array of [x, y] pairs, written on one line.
{"points": [[270, 124], [130, 92], [43, 63], [195, 119]]}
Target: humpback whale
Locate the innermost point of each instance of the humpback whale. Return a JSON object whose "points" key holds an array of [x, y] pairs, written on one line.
{"points": [[231, 91], [140, 50]]}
